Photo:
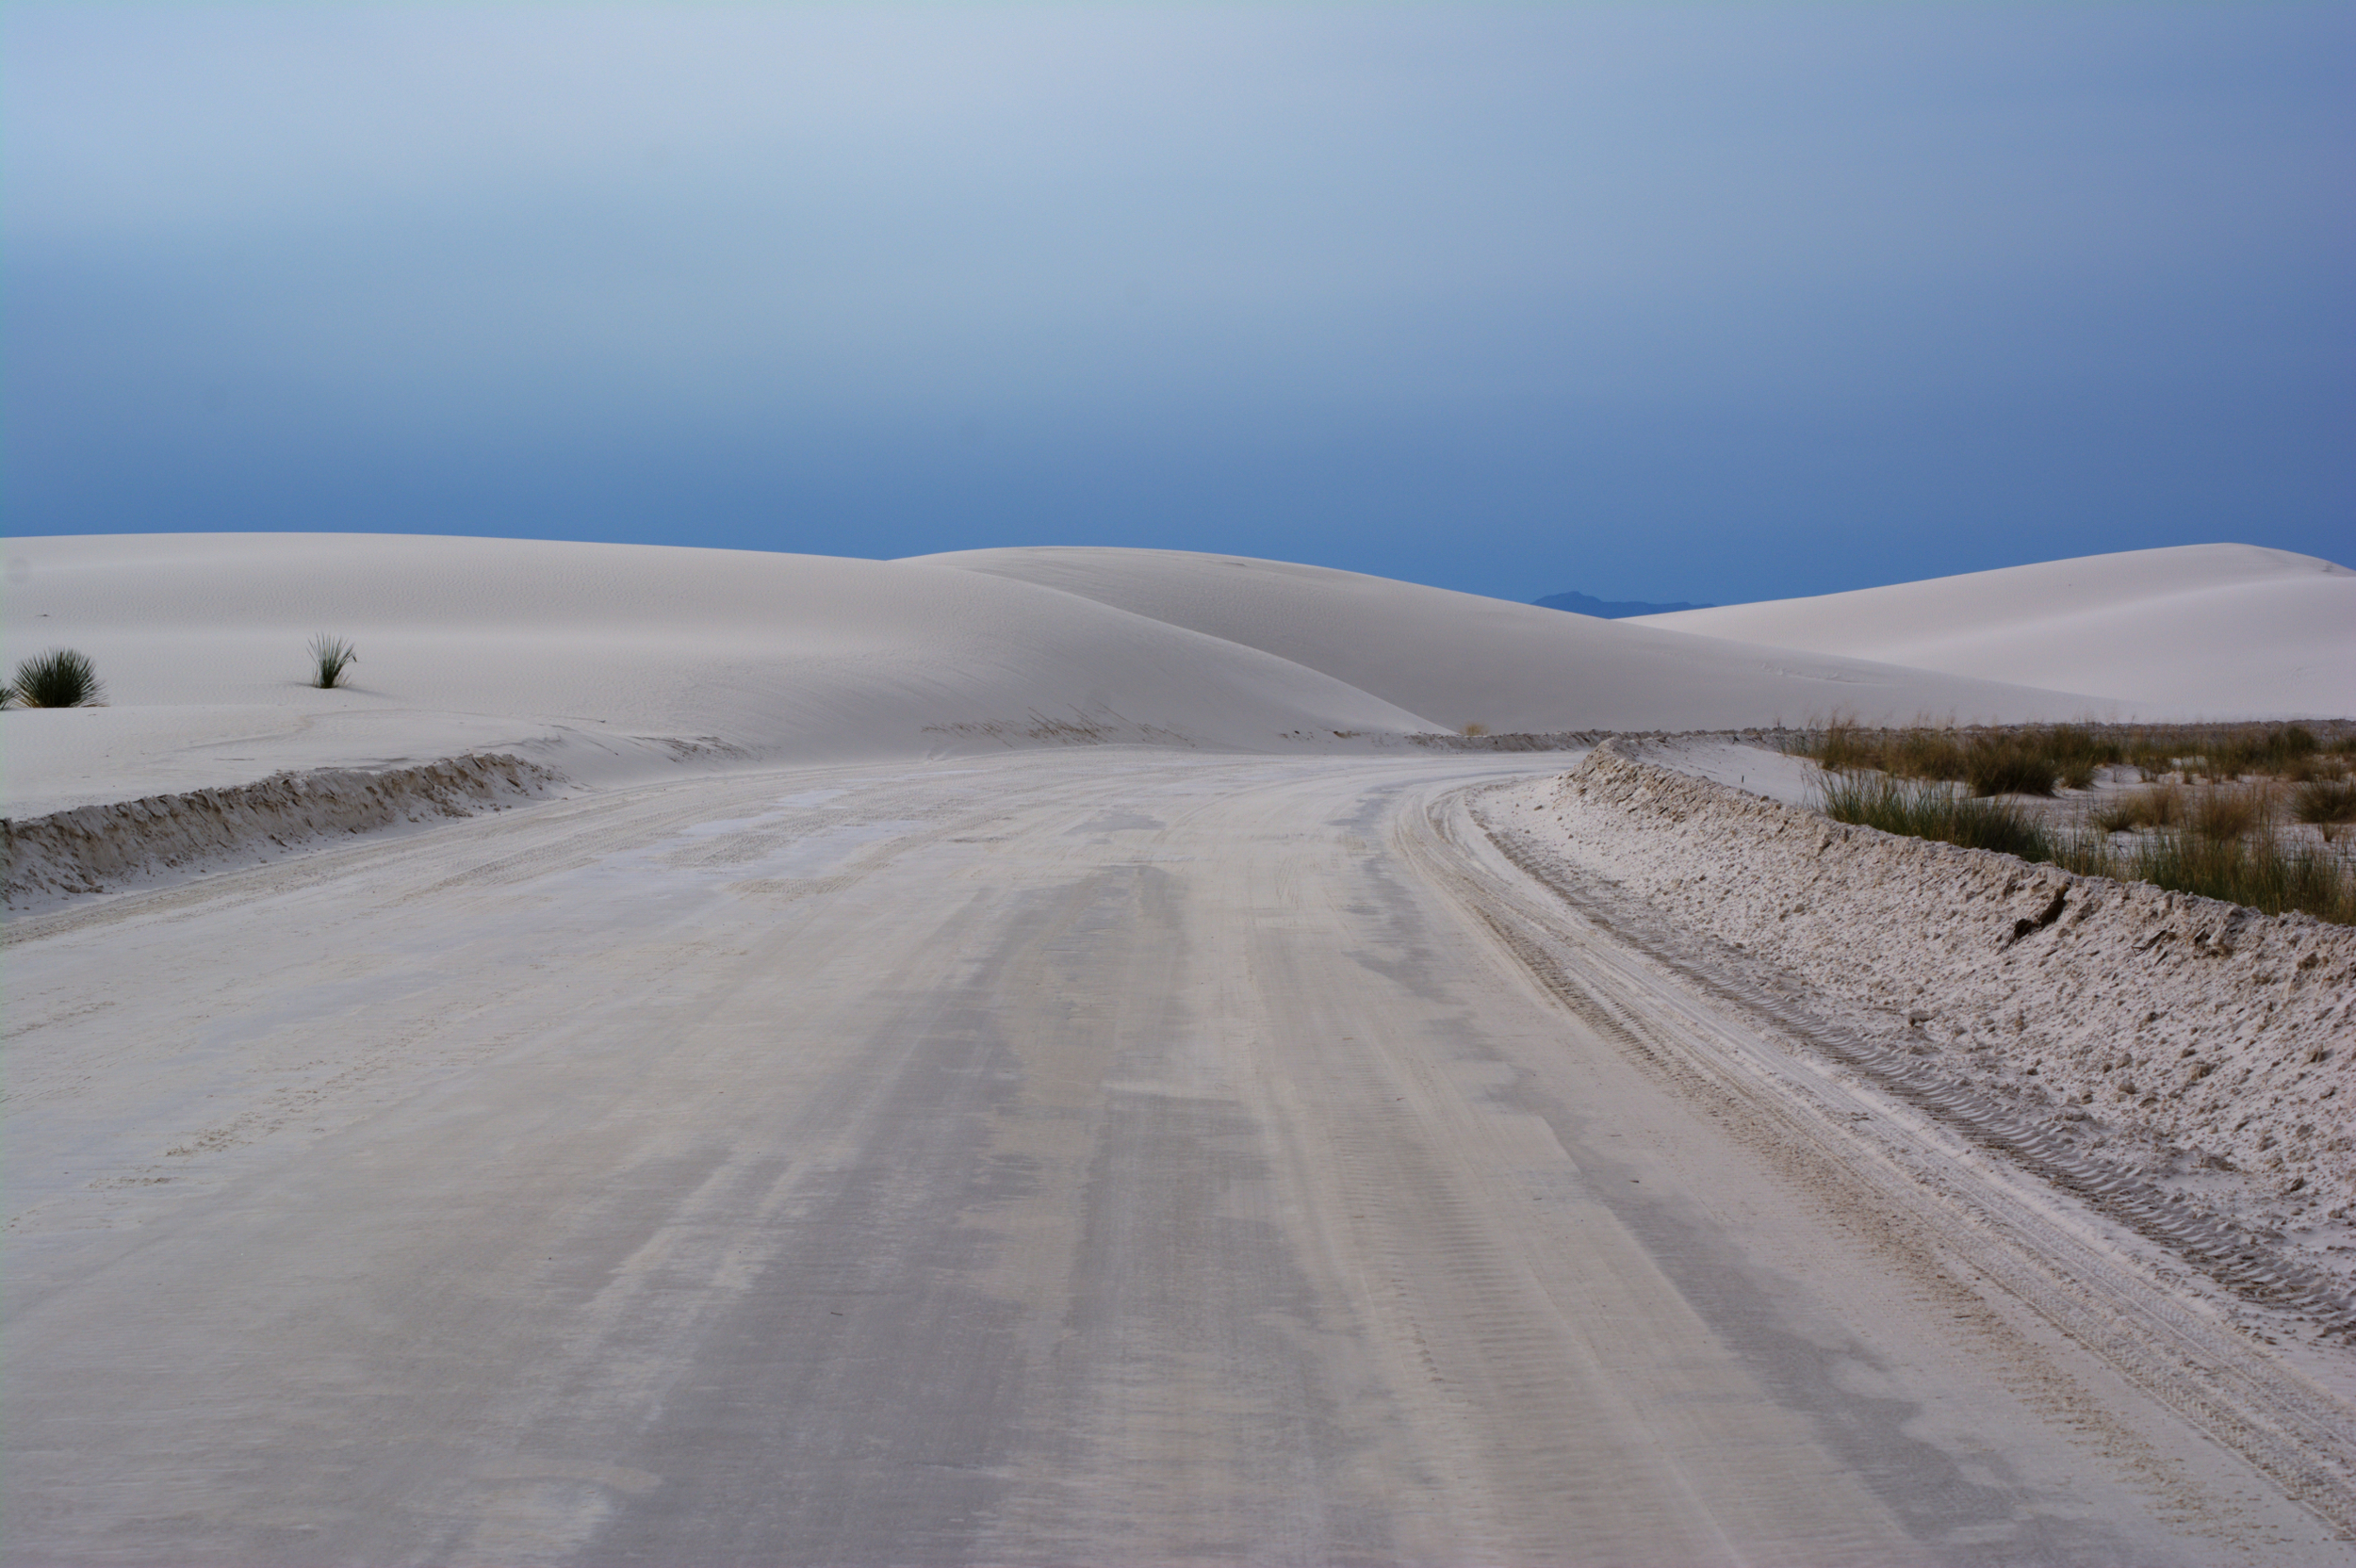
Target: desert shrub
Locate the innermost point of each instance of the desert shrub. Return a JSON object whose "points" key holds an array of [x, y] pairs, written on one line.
{"points": [[2224, 812], [2075, 752], [2087, 854], [1919, 751], [2156, 806], [2034, 758], [2254, 749], [2001, 764], [59, 679], [1843, 747], [1925, 753], [2328, 803], [330, 657]]}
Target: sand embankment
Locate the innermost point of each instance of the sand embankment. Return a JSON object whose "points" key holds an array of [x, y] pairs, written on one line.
{"points": [[2173, 1033], [93, 849]]}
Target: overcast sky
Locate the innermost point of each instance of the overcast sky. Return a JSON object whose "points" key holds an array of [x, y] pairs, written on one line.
{"points": [[1694, 301]]}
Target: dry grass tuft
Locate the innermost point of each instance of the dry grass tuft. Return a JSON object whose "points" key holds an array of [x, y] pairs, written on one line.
{"points": [[2224, 812], [2034, 758], [2157, 806], [2330, 804]]}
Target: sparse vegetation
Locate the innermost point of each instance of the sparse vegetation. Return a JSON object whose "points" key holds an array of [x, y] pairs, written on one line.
{"points": [[2036, 758], [2200, 829], [2259, 872], [330, 657], [1930, 809], [61, 678]]}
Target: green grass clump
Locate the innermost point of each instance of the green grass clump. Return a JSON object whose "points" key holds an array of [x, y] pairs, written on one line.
{"points": [[58, 678], [2259, 872], [1929, 809], [2251, 867], [330, 657], [2034, 759], [2232, 752], [2017, 764]]}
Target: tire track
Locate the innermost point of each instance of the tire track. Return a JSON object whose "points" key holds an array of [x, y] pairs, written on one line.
{"points": [[2236, 1259], [1595, 959]]}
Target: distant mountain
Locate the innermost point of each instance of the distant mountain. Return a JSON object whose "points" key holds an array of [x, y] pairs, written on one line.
{"points": [[1611, 610]]}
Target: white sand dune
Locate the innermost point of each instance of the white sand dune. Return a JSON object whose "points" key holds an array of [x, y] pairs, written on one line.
{"points": [[841, 1157], [2220, 631], [594, 657], [1459, 660], [614, 661]]}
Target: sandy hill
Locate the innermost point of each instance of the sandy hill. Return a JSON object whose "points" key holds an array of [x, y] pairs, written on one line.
{"points": [[2194, 632], [611, 660], [593, 657], [1459, 660]]}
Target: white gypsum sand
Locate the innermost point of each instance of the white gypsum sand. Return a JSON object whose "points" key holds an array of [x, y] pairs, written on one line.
{"points": [[608, 663], [2172, 1035], [2193, 631], [1461, 660], [613, 661], [949, 1065], [604, 661]]}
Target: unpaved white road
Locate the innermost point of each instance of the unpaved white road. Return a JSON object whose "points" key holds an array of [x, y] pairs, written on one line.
{"points": [[1111, 1157]]}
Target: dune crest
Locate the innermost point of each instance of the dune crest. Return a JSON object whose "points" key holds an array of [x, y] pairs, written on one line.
{"points": [[1459, 660], [2194, 631]]}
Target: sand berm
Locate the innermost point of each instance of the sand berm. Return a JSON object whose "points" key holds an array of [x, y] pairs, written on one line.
{"points": [[2174, 1032], [93, 849]]}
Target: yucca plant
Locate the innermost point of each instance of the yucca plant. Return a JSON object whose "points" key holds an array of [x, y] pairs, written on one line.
{"points": [[59, 679], [330, 657]]}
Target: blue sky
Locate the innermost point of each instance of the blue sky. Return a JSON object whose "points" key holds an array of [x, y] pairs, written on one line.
{"points": [[1674, 302]]}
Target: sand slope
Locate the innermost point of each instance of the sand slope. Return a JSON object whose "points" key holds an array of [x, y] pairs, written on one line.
{"points": [[593, 656], [2194, 631], [1459, 660]]}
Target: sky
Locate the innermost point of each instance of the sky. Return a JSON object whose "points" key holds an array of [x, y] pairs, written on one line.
{"points": [[1674, 302]]}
